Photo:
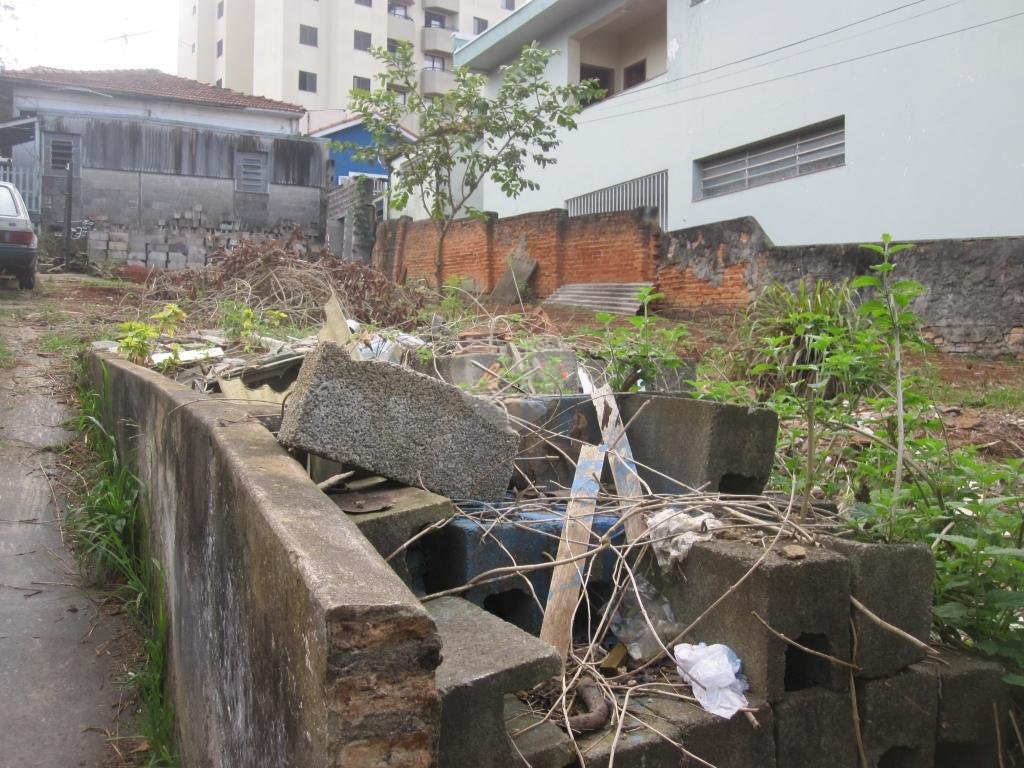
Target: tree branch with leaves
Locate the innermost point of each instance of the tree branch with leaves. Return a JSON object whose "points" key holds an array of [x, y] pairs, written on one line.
{"points": [[464, 137]]}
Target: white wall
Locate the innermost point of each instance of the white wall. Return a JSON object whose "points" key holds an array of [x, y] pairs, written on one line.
{"points": [[933, 130]]}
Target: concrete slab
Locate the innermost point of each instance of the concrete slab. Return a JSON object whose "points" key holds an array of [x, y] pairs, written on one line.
{"points": [[399, 424], [968, 687], [898, 718], [814, 729]]}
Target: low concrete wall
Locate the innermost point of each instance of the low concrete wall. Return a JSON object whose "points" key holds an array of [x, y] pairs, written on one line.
{"points": [[291, 641]]}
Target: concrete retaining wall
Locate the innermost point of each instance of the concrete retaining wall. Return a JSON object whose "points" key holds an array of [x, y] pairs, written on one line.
{"points": [[291, 641]]}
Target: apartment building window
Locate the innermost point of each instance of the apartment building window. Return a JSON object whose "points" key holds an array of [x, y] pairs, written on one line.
{"points": [[634, 74], [367, 3], [808, 150], [220, 48], [508, 5], [396, 9], [361, 84], [309, 35], [430, 61], [307, 81], [193, 47], [392, 45], [362, 41], [219, 83], [431, 19], [220, 9], [479, 25], [400, 95], [251, 172]]}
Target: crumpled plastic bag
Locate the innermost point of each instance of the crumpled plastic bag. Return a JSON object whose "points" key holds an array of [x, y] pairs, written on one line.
{"points": [[632, 629], [713, 671], [673, 532]]}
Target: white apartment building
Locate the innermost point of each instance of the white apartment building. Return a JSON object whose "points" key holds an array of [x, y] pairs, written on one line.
{"points": [[314, 52], [828, 121]]}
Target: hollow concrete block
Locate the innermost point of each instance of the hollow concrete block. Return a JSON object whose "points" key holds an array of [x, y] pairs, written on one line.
{"points": [[898, 717], [874, 569], [814, 729], [400, 424], [807, 600], [972, 696], [483, 659]]}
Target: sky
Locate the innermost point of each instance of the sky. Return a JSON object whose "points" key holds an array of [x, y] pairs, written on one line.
{"points": [[76, 34]]}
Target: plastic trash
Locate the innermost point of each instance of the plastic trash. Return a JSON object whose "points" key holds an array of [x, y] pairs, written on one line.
{"points": [[713, 671], [632, 629], [673, 532]]}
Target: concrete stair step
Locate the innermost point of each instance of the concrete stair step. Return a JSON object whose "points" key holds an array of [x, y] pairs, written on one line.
{"points": [[618, 298], [482, 659]]}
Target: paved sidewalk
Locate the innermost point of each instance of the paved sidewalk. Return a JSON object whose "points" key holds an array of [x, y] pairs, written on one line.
{"points": [[56, 692]]}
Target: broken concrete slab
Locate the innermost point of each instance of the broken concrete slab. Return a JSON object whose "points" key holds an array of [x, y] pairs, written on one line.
{"points": [[513, 286], [483, 658], [814, 729], [400, 424], [733, 743], [541, 743], [806, 600], [898, 717], [874, 569]]}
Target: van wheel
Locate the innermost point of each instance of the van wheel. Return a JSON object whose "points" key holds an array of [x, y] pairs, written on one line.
{"points": [[27, 279]]}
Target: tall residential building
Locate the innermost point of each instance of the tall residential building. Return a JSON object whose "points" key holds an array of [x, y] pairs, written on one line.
{"points": [[313, 52]]}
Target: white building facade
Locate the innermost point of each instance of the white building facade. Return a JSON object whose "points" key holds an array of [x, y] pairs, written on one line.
{"points": [[314, 52], [828, 122]]}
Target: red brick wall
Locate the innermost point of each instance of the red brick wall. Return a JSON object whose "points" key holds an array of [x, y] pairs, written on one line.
{"points": [[604, 248]]}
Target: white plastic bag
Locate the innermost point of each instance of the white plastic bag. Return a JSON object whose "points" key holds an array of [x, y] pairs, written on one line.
{"points": [[673, 532], [713, 671]]}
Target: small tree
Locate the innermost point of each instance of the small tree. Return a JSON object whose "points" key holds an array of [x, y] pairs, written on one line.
{"points": [[464, 136]]}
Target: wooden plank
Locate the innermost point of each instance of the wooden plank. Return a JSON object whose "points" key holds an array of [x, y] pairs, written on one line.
{"points": [[620, 455], [567, 578]]}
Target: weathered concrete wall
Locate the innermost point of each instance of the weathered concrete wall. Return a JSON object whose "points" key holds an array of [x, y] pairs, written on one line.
{"points": [[292, 642], [974, 298], [351, 220]]}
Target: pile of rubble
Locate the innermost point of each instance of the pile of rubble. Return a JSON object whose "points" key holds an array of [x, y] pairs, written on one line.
{"points": [[577, 548]]}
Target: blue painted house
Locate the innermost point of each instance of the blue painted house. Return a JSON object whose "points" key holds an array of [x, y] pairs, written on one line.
{"points": [[345, 166]]}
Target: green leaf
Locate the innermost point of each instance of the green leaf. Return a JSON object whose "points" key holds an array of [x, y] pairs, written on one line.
{"points": [[1005, 552], [1014, 679], [950, 611], [865, 281], [964, 541]]}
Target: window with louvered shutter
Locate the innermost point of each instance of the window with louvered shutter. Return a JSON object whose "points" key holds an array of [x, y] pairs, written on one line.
{"points": [[808, 150], [251, 172]]}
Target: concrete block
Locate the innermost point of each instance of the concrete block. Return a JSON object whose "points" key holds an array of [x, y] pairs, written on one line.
{"points": [[807, 600], [117, 245], [176, 260], [696, 443], [540, 742], [483, 658], [814, 729], [410, 511], [137, 242], [197, 257], [119, 237], [136, 263], [97, 255], [400, 424], [733, 743], [98, 237], [137, 256], [968, 687], [898, 717], [156, 259], [874, 569], [117, 256]]}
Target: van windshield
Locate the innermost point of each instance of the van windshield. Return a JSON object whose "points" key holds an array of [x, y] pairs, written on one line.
{"points": [[7, 205]]}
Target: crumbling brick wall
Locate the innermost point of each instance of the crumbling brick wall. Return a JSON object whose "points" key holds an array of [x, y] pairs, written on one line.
{"points": [[609, 247]]}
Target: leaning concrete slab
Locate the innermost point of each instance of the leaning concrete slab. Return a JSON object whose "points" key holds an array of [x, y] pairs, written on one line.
{"points": [[874, 569], [400, 424], [807, 600], [484, 658], [292, 642]]}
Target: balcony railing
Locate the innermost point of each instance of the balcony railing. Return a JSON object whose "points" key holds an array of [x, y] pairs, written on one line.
{"points": [[434, 82]]}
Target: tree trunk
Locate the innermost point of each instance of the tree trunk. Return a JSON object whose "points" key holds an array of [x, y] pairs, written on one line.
{"points": [[439, 258]]}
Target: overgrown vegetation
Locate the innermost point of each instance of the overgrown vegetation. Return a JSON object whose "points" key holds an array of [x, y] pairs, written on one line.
{"points": [[858, 429], [109, 538]]}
